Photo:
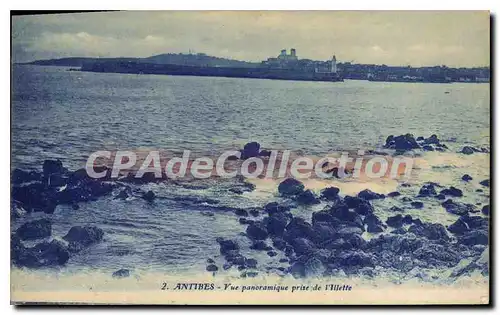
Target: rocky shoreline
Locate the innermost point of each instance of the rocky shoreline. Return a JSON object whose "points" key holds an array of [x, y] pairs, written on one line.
{"points": [[332, 242]]}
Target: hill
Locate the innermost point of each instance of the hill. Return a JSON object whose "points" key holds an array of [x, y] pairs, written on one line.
{"points": [[201, 60]]}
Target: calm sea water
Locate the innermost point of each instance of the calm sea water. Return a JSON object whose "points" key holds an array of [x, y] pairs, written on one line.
{"points": [[67, 115]]}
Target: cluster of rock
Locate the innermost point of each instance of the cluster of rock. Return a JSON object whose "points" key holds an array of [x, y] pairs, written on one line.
{"points": [[332, 242], [408, 142], [295, 190], [231, 252], [468, 150], [42, 192], [34, 191], [53, 253], [253, 149], [451, 206]]}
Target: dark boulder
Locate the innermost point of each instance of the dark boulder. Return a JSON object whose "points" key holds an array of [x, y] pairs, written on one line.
{"points": [[336, 244], [349, 217], [250, 149], [356, 241], [212, 268], [307, 197], [298, 228], [399, 231], [276, 223], [433, 255], [466, 177], [279, 243], [477, 222], [427, 190], [56, 180], [245, 221], [235, 258], [372, 219], [485, 182], [260, 245], [394, 194], [468, 150], [330, 193], [486, 210], [35, 229], [121, 273], [441, 197], [98, 189], [236, 190], [401, 143], [254, 212], [52, 167], [352, 202], [370, 195], [265, 153], [123, 194], [72, 195], [395, 221], [417, 221], [395, 244], [241, 212], [20, 176], [312, 267], [478, 237], [355, 259], [274, 207], [80, 176], [34, 197], [428, 148], [272, 253], [452, 191], [432, 231], [149, 196], [80, 237], [251, 263], [290, 187], [324, 216], [417, 204], [302, 246], [322, 232], [227, 246], [396, 209], [457, 208], [257, 231], [41, 255], [364, 208], [433, 139], [407, 219], [374, 228], [459, 227]]}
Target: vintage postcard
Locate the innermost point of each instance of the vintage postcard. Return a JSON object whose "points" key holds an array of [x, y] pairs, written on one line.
{"points": [[250, 157]]}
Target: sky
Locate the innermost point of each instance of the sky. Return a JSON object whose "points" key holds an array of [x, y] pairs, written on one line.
{"points": [[416, 38]]}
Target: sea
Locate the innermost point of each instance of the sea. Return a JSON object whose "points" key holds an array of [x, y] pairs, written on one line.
{"points": [[66, 115]]}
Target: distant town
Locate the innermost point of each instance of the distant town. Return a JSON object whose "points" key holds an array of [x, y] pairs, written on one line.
{"points": [[372, 72], [285, 66]]}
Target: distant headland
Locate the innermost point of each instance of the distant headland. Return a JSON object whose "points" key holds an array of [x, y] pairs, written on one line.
{"points": [[283, 67]]}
